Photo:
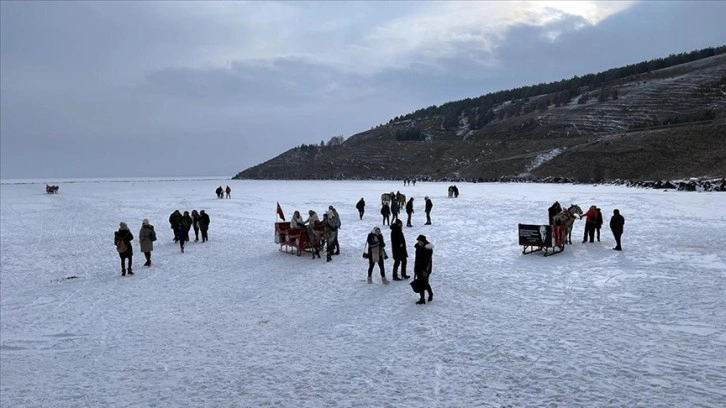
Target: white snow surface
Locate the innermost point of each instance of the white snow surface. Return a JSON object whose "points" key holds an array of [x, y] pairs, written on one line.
{"points": [[234, 322]]}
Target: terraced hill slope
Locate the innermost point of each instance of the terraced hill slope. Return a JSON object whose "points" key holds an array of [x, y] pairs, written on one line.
{"points": [[668, 123]]}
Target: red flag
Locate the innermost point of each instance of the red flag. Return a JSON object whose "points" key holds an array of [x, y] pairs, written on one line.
{"points": [[279, 212]]}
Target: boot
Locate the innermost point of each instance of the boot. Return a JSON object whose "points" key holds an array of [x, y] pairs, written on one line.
{"points": [[421, 301], [123, 272], [395, 277], [130, 271], [384, 280], [431, 296], [328, 258], [370, 280], [404, 276]]}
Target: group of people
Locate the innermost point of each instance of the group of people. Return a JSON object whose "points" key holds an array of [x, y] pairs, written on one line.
{"points": [[593, 223], [390, 212], [376, 254], [122, 240], [181, 224], [320, 232], [222, 191]]}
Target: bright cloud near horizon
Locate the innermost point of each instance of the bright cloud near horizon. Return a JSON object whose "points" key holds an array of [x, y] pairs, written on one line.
{"points": [[114, 89]]}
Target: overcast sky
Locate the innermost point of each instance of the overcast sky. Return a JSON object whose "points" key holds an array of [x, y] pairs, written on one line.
{"points": [[115, 89]]}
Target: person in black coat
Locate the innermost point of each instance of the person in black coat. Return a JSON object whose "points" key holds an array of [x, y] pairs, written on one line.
{"points": [[422, 266], [195, 224], [427, 209], [617, 222], [386, 213], [204, 225], [398, 248], [124, 237], [409, 212], [598, 224], [174, 220], [361, 206], [554, 209]]}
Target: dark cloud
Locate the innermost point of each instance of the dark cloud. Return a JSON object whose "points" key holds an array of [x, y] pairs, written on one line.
{"points": [[94, 89]]}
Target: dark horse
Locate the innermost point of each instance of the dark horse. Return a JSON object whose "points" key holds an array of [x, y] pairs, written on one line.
{"points": [[51, 189]]}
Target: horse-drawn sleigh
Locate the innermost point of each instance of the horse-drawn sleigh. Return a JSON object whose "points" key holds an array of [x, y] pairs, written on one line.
{"points": [[552, 237]]}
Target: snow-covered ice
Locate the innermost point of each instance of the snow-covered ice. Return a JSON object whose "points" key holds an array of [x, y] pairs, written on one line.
{"points": [[234, 322]]}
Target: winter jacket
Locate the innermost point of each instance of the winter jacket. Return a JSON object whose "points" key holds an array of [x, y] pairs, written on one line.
{"points": [[203, 220], [409, 206], [616, 223], [429, 205], [361, 205], [385, 210], [423, 264], [375, 247], [187, 222], [398, 243], [127, 237], [591, 215], [182, 232], [598, 219], [395, 208], [175, 218], [147, 245]]}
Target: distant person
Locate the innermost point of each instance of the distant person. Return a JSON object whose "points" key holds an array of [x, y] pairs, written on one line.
{"points": [[228, 191], [422, 267], [617, 222], [395, 209], [296, 221], [183, 234], [122, 240], [398, 250], [386, 213], [187, 222], [361, 206], [590, 219], [195, 224], [330, 232], [220, 192], [427, 209], [409, 211], [336, 219], [376, 254], [147, 236], [598, 224], [174, 220], [204, 225]]}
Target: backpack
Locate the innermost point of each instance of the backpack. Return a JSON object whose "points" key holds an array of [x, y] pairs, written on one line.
{"points": [[153, 235], [121, 246]]}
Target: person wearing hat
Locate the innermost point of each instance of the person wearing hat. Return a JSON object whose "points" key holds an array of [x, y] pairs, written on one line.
{"points": [[122, 239], [422, 266], [147, 236], [427, 209], [376, 254]]}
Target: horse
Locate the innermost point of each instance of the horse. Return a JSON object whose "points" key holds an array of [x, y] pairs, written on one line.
{"points": [[567, 218], [453, 191], [386, 198], [401, 199], [51, 189]]}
